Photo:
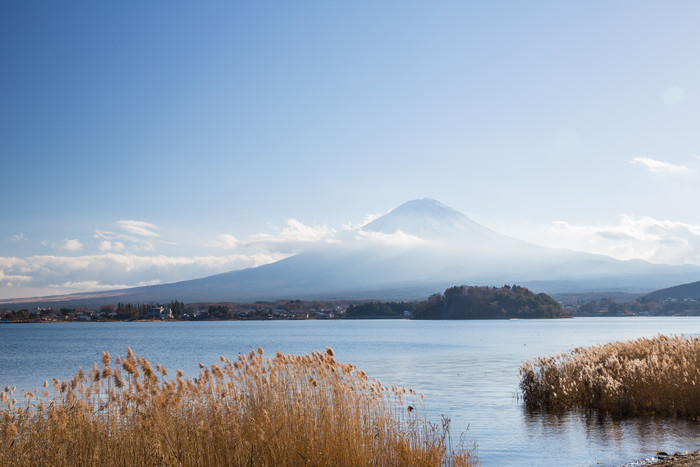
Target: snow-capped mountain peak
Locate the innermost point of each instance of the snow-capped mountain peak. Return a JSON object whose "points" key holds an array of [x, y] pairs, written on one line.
{"points": [[430, 220]]}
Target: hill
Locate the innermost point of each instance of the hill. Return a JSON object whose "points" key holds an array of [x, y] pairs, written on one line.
{"points": [[489, 303], [678, 292]]}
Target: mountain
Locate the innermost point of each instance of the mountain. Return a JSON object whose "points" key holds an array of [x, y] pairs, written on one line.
{"points": [[419, 248], [678, 292], [431, 220]]}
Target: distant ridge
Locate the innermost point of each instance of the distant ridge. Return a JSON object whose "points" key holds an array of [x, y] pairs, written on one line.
{"points": [[439, 248], [678, 292]]}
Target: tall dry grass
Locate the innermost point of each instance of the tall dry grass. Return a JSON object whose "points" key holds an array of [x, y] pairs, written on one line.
{"points": [[658, 376], [285, 410]]}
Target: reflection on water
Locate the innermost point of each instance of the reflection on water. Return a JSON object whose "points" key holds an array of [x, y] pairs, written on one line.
{"points": [[622, 439], [468, 371]]}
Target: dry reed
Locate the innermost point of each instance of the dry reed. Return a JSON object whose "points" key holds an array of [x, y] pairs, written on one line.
{"points": [[657, 376], [285, 410]]}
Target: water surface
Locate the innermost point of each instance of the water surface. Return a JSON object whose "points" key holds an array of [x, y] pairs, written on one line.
{"points": [[468, 371]]}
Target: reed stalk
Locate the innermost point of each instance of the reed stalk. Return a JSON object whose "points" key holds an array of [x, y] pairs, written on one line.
{"points": [[645, 376], [284, 410]]}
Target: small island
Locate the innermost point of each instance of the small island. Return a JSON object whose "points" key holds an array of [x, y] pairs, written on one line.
{"points": [[506, 302]]}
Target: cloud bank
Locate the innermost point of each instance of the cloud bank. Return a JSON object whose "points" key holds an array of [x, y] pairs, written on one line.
{"points": [[633, 237], [297, 237], [65, 274]]}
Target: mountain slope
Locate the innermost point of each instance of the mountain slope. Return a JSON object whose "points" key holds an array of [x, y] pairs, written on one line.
{"points": [[430, 220], [678, 292]]}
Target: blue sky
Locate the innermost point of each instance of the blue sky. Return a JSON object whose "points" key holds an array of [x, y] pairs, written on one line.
{"points": [[145, 142]]}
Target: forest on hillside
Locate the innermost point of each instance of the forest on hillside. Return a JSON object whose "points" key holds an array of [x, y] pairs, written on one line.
{"points": [[463, 302], [380, 310]]}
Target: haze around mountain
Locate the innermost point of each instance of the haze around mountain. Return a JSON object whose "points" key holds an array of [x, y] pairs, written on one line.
{"points": [[418, 248]]}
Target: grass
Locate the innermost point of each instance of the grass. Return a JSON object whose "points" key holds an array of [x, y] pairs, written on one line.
{"points": [[284, 410], [657, 376]]}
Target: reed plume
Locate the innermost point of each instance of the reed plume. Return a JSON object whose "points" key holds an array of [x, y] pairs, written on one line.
{"points": [[254, 410], [657, 376]]}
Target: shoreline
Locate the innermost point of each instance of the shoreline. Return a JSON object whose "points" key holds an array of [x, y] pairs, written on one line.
{"points": [[678, 459]]}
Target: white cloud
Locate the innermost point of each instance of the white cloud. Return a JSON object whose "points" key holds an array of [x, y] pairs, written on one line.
{"points": [[92, 286], [659, 166], [225, 241], [397, 238], [108, 245], [111, 241], [18, 237], [71, 244], [140, 228], [86, 286], [151, 282], [10, 280], [295, 236], [366, 220], [657, 241]]}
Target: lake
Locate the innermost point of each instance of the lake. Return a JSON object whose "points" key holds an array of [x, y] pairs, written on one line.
{"points": [[468, 370]]}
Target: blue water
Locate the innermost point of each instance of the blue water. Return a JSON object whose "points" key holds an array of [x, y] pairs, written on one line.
{"points": [[468, 370]]}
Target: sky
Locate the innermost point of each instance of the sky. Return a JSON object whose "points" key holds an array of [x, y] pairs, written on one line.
{"points": [[150, 142]]}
